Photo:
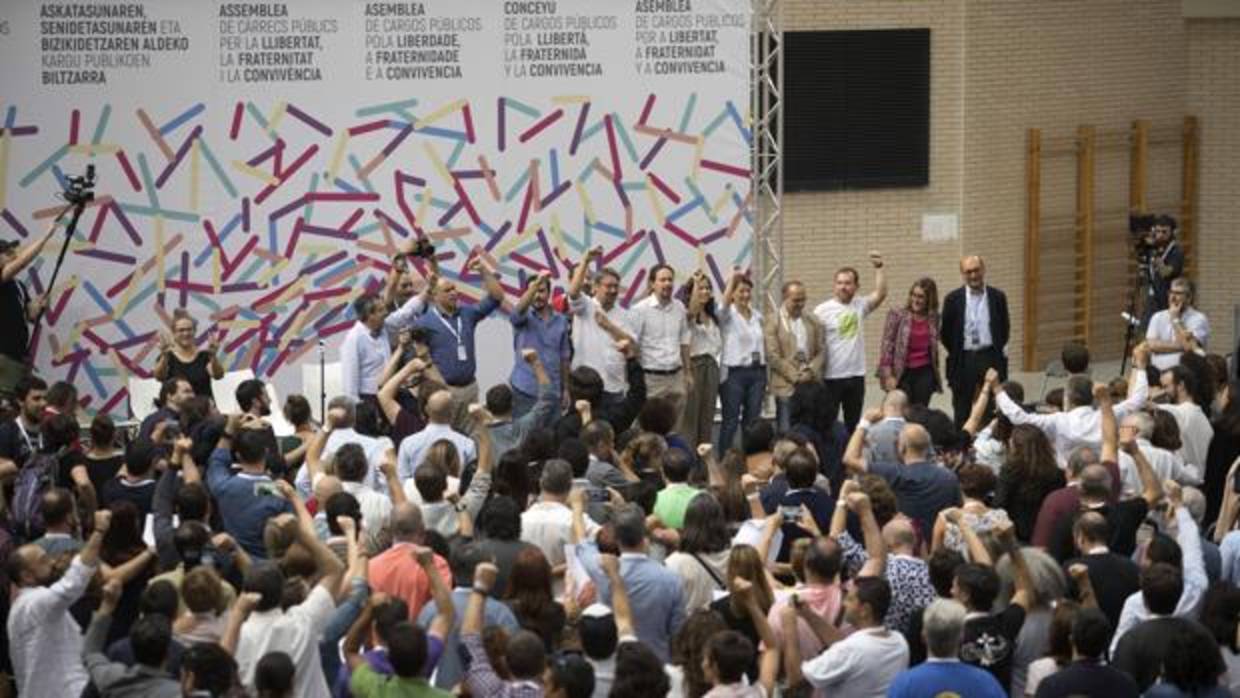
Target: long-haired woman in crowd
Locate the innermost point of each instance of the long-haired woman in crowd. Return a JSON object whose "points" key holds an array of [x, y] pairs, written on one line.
{"points": [[1029, 473], [705, 344]]}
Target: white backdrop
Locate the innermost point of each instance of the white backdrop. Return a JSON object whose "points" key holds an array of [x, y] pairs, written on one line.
{"points": [[258, 163]]}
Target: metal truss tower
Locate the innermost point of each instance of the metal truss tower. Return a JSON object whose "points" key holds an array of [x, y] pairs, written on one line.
{"points": [[767, 168]]}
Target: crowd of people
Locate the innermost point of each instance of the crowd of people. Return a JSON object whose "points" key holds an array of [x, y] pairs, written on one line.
{"points": [[582, 530]]}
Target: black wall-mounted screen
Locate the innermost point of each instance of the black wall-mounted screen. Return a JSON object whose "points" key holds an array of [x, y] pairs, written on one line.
{"points": [[856, 109]]}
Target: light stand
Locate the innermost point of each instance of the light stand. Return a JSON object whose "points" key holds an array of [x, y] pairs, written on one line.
{"points": [[322, 382]]}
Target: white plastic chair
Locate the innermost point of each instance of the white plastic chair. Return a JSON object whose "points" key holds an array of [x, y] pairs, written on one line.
{"points": [[279, 424], [142, 395], [225, 390]]}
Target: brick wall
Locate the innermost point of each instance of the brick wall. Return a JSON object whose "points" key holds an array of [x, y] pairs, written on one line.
{"points": [[823, 231], [999, 68], [1214, 95]]}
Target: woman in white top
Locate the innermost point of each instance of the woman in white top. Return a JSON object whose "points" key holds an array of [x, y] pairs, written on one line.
{"points": [[744, 359], [702, 561], [705, 343]]}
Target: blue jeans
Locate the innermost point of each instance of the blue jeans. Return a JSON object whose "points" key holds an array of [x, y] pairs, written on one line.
{"points": [[742, 390]]}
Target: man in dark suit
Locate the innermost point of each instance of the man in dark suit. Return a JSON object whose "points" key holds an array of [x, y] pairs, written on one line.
{"points": [[975, 331]]}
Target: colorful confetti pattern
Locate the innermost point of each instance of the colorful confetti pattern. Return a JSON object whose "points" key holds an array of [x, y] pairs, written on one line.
{"points": [[269, 244]]}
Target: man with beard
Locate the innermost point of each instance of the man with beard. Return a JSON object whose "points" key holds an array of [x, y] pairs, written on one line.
{"points": [[536, 326], [20, 437], [662, 329], [842, 315], [45, 641], [599, 325]]}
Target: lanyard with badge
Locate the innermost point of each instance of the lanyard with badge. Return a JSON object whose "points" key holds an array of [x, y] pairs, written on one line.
{"points": [[461, 353]]}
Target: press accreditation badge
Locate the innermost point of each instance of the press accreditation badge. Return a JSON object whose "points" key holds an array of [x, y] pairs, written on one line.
{"points": [[461, 354]]}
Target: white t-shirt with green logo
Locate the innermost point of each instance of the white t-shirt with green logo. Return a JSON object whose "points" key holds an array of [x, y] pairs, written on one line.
{"points": [[845, 337]]}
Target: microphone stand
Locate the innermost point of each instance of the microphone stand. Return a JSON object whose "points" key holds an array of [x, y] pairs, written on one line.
{"points": [[78, 208]]}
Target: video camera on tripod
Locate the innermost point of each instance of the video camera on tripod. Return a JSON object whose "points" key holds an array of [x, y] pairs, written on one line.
{"points": [[1141, 231], [80, 191]]}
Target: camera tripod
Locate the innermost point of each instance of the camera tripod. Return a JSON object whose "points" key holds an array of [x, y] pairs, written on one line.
{"points": [[1132, 321], [78, 207]]}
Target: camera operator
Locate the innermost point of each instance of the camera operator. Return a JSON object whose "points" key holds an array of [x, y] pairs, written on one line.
{"points": [[17, 308], [1165, 262]]}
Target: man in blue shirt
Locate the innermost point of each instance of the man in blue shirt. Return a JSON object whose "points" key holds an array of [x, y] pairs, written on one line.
{"points": [[922, 485], [943, 673], [536, 325], [450, 337], [654, 592], [244, 509]]}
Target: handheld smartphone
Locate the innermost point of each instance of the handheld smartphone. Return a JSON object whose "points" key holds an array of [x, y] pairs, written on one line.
{"points": [[791, 512], [598, 494], [172, 430]]}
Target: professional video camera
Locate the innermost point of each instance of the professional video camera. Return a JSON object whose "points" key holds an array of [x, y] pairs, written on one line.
{"points": [[1141, 231], [80, 190]]}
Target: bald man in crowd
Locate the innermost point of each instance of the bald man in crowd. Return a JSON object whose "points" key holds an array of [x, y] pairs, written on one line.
{"points": [[439, 416], [922, 484], [975, 330]]}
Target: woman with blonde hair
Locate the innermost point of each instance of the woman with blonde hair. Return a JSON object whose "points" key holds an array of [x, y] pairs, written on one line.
{"points": [[180, 357], [909, 358]]}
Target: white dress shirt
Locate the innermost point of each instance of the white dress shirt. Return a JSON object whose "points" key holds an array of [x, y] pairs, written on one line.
{"points": [[593, 347], [375, 448], [1195, 581], [45, 643], [402, 318], [1161, 329], [1080, 426], [742, 338], [296, 632], [705, 339], [976, 320], [413, 449], [362, 358], [549, 526], [661, 330], [1196, 432], [1167, 465]]}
